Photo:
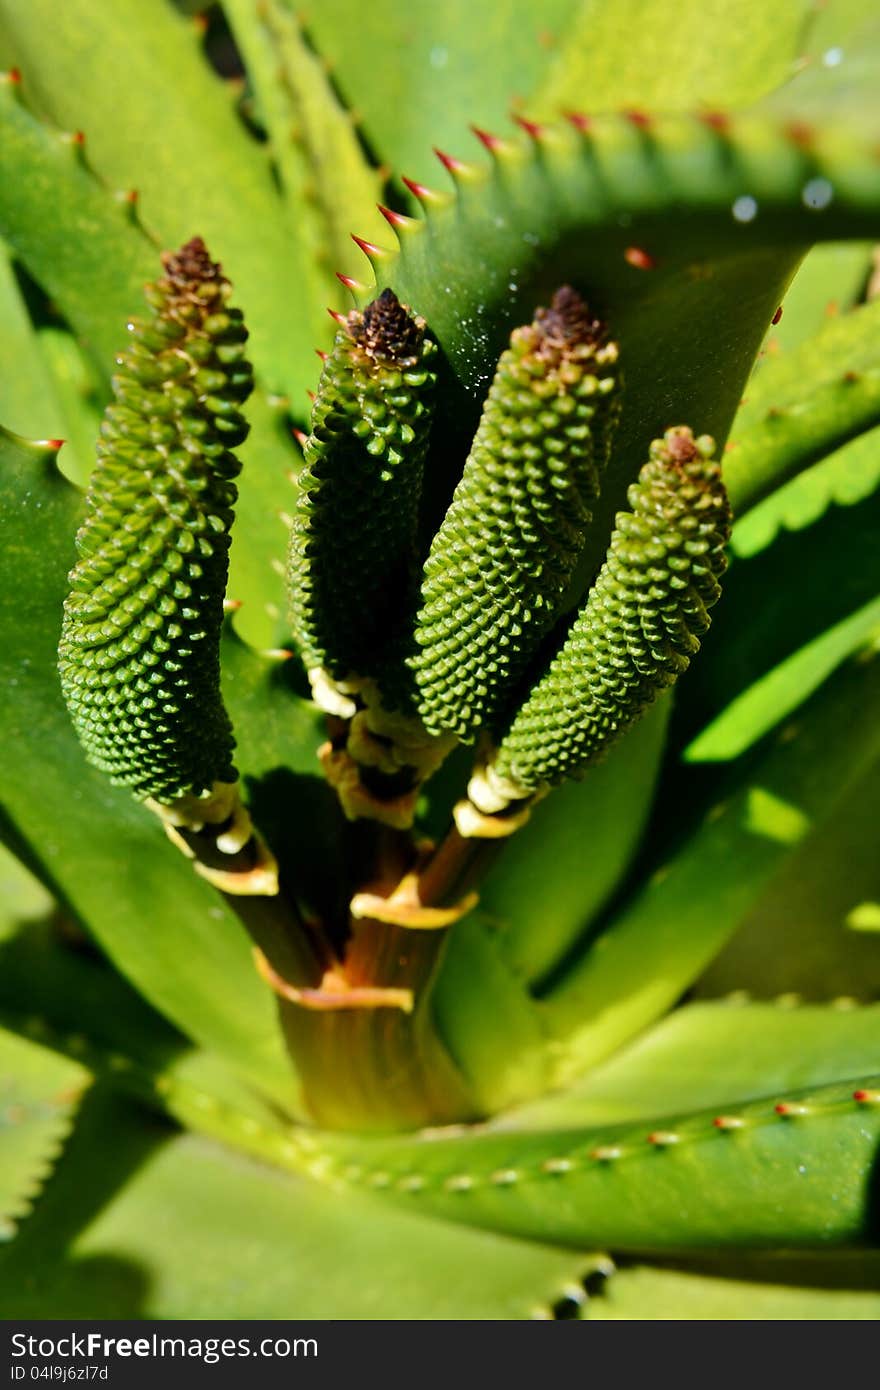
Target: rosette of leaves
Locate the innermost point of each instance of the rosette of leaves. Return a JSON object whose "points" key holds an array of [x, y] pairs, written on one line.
{"points": [[664, 1009]]}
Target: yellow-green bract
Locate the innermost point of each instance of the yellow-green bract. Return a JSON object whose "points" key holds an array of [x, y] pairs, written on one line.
{"points": [[139, 652], [637, 630]]}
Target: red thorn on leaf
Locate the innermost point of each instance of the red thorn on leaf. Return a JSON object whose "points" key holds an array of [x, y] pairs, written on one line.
{"points": [[449, 161], [788, 1108], [636, 256], [801, 134], [851, 377], [78, 137], [531, 128], [716, 120], [777, 316], [866, 1097], [640, 119], [369, 248], [730, 446], [348, 281], [727, 1122], [301, 438], [311, 396], [395, 219], [13, 76], [579, 120], [231, 605], [485, 137], [322, 354], [419, 190], [661, 1138], [54, 444], [337, 317]]}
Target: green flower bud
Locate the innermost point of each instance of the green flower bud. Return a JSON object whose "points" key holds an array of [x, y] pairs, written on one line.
{"points": [[506, 550], [353, 541], [139, 652], [635, 634]]}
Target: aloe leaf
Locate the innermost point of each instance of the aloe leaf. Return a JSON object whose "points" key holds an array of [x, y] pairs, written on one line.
{"points": [[154, 1229], [589, 831], [171, 933], [157, 99], [669, 930], [803, 934], [549, 208], [821, 1289], [715, 1054], [97, 282], [82, 395], [848, 476], [439, 76], [28, 398], [830, 282], [329, 186], [782, 690], [39, 1092], [620, 52], [22, 896], [796, 1170], [805, 404]]}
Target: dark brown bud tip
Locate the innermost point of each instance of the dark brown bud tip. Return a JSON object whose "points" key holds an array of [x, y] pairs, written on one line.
{"points": [[387, 331], [191, 265], [569, 321]]}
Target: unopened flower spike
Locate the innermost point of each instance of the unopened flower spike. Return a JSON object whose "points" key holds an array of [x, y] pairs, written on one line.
{"points": [[139, 652], [635, 634], [506, 550], [354, 535]]}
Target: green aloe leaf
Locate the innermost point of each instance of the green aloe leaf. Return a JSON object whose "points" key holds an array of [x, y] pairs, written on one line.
{"points": [[589, 831], [824, 1288], [174, 1227], [172, 934], [96, 279], [662, 938], [805, 404], [715, 1054], [803, 934], [829, 282], [157, 100], [439, 75], [330, 188], [775, 642], [620, 52], [29, 401], [798, 1169], [39, 1092]]}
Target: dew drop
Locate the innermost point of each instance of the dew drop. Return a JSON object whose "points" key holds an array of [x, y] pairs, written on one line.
{"points": [[817, 194], [745, 209], [832, 57]]}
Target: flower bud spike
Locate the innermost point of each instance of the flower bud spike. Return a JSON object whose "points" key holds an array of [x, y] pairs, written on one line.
{"points": [[503, 557], [139, 652], [354, 534], [636, 632]]}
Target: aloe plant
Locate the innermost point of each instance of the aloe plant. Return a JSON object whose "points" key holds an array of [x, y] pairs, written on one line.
{"points": [[520, 958]]}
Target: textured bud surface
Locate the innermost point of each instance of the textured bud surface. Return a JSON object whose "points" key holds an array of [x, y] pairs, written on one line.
{"points": [[639, 626], [506, 550], [139, 652], [354, 535]]}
